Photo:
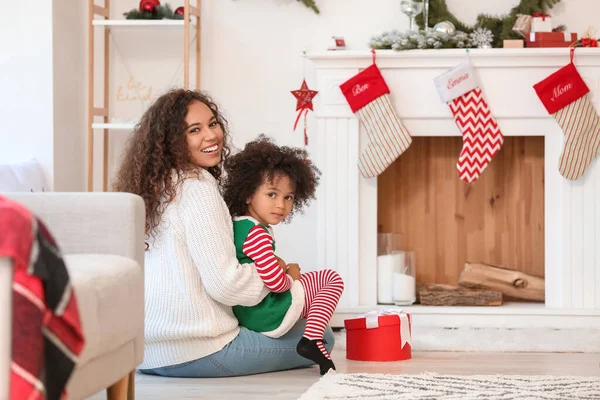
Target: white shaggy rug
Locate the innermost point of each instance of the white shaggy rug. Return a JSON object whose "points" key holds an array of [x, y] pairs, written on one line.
{"points": [[452, 387]]}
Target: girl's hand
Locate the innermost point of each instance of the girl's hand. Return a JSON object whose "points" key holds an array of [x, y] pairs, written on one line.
{"points": [[282, 264], [293, 270]]}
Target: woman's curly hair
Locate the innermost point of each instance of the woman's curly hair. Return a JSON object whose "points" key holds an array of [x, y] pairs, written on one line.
{"points": [[158, 148], [263, 160]]}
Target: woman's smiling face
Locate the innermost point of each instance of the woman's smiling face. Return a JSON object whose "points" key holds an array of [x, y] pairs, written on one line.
{"points": [[204, 135]]}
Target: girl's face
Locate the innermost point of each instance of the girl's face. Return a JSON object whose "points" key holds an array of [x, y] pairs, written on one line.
{"points": [[204, 135], [272, 202]]}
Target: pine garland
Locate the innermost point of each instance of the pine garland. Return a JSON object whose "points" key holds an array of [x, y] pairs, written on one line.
{"points": [[501, 27], [397, 40], [311, 4]]}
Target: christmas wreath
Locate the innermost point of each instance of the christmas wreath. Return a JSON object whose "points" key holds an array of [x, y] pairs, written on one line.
{"points": [[501, 27]]}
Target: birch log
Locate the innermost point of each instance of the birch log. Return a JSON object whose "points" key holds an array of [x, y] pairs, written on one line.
{"points": [[510, 282]]}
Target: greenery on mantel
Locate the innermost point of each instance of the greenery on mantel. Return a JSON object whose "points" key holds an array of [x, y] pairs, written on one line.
{"points": [[501, 27]]}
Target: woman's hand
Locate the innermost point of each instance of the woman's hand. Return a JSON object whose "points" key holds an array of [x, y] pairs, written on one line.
{"points": [[293, 270]]}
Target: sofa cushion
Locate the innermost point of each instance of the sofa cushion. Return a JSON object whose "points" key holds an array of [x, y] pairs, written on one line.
{"points": [[27, 176], [110, 296]]}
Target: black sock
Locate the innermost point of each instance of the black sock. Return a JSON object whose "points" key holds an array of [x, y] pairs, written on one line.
{"points": [[310, 349]]}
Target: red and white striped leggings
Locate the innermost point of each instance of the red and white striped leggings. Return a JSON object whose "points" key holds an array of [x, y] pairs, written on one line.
{"points": [[322, 291]]}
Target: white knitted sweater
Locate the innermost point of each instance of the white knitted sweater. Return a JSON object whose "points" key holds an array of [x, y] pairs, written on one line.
{"points": [[193, 278]]}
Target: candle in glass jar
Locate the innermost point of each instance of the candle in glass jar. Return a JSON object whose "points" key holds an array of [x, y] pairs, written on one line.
{"points": [[404, 291], [386, 265]]}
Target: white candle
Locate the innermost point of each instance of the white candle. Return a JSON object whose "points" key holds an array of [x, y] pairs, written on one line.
{"points": [[385, 269], [403, 289]]}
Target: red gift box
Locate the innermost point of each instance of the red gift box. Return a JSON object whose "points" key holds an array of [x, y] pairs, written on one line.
{"points": [[551, 39], [379, 336]]}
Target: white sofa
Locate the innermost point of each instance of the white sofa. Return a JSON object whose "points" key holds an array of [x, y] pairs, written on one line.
{"points": [[101, 236], [26, 176]]}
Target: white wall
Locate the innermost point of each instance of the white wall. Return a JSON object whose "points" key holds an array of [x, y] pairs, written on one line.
{"points": [[251, 59], [42, 107], [26, 83]]}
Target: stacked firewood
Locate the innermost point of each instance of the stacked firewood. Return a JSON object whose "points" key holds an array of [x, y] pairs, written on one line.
{"points": [[483, 285]]}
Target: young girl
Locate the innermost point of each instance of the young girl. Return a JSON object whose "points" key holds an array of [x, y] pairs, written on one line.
{"points": [[266, 185]]}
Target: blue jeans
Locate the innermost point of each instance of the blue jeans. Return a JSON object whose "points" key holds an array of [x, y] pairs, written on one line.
{"points": [[249, 353]]}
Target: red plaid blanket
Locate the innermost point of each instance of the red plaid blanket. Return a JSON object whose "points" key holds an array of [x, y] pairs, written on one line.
{"points": [[46, 332]]}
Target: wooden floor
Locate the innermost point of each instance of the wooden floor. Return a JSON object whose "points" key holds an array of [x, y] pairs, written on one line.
{"points": [[291, 384]]}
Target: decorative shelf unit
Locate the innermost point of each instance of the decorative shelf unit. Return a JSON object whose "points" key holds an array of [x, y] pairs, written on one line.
{"points": [[114, 126], [190, 21], [135, 23]]}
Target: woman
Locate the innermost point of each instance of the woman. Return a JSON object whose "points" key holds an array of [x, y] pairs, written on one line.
{"points": [[192, 277]]}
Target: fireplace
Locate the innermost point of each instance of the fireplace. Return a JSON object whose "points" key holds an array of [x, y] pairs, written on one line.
{"points": [[521, 213], [497, 220]]}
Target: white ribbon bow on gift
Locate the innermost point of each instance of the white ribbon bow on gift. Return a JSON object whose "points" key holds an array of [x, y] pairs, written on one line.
{"points": [[372, 319]]}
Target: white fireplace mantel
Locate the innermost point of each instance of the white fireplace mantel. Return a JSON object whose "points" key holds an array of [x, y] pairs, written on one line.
{"points": [[347, 202]]}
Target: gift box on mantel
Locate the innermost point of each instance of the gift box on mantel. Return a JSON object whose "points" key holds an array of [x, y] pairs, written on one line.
{"points": [[383, 335], [551, 39], [523, 25], [541, 22]]}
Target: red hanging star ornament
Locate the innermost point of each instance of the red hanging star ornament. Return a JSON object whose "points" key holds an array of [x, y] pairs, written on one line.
{"points": [[304, 96]]}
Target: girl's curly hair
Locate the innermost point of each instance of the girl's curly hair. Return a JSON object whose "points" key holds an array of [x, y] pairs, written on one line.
{"points": [[262, 159], [158, 148]]}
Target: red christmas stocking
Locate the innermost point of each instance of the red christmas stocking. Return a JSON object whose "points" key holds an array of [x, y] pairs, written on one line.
{"points": [[482, 138], [564, 94], [369, 97]]}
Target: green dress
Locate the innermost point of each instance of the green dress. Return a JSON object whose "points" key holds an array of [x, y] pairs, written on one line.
{"points": [[270, 312]]}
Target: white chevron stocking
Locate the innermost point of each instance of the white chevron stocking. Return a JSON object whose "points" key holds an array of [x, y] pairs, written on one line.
{"points": [[482, 138]]}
